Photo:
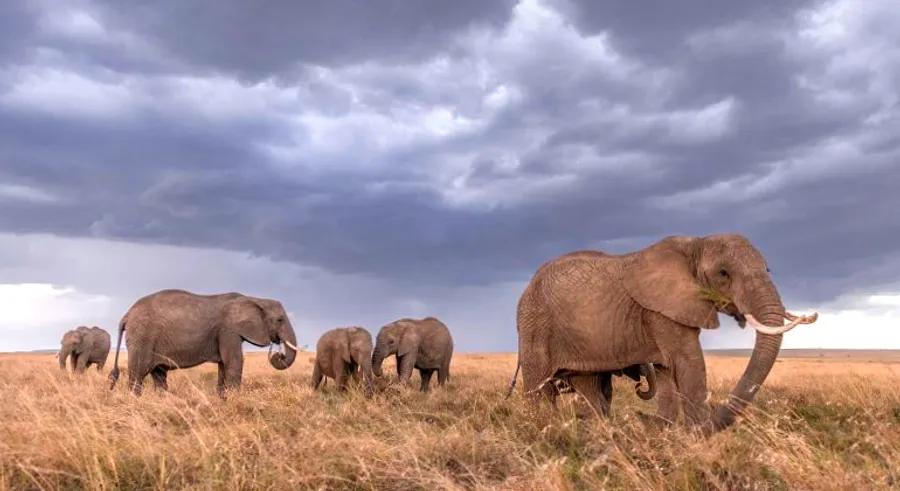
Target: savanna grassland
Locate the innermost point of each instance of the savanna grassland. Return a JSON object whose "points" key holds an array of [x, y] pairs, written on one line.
{"points": [[820, 423]]}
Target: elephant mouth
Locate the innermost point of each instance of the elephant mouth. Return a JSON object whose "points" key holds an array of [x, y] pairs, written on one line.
{"points": [[282, 344]]}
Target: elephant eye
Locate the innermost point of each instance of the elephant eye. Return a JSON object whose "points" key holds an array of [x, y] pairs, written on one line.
{"points": [[723, 273]]}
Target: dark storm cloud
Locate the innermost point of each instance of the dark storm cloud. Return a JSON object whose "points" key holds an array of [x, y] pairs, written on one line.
{"points": [[456, 147], [259, 41]]}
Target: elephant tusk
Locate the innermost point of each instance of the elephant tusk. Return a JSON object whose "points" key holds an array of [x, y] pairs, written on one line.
{"points": [[291, 345], [794, 322]]}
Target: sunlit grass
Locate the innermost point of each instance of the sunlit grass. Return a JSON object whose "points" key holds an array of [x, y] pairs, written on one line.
{"points": [[818, 425]]}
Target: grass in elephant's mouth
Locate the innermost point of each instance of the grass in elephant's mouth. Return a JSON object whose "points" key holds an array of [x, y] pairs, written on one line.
{"points": [[818, 425]]}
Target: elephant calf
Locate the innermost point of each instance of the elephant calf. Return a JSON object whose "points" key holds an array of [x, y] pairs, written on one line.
{"points": [[425, 344], [341, 352], [86, 346]]}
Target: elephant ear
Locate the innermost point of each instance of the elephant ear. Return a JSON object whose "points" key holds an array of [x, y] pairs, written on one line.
{"points": [[360, 340], [247, 319], [76, 337], [409, 342], [660, 278], [347, 346]]}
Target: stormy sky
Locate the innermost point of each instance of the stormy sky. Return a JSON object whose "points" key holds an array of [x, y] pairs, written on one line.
{"points": [[365, 161]]}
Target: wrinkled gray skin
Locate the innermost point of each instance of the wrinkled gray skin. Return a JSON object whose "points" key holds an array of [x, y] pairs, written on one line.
{"points": [[424, 344], [343, 352], [587, 313], [174, 329], [85, 346], [603, 380]]}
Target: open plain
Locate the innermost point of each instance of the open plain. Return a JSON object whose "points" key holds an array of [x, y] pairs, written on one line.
{"points": [[822, 421]]}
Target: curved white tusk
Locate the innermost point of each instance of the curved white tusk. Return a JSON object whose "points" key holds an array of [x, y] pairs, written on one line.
{"points": [[780, 329], [291, 346]]}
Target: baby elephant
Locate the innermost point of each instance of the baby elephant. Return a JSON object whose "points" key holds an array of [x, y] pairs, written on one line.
{"points": [[343, 352], [424, 344], [86, 346]]}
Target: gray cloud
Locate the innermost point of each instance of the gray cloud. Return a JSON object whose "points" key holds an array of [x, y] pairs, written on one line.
{"points": [[460, 149]]}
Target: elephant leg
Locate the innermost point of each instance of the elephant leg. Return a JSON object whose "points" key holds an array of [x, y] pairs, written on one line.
{"points": [[317, 376], [604, 382], [426, 374], [443, 374], [82, 363], [220, 381], [340, 371], [232, 362], [666, 394], [690, 380], [589, 387], [683, 355], [137, 371], [535, 384], [160, 376]]}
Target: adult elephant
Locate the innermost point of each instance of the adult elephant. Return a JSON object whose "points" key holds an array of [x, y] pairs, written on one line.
{"points": [[85, 346], [589, 313], [174, 329], [424, 344], [343, 352]]}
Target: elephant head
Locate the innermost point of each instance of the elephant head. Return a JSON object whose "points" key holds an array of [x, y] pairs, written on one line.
{"points": [[361, 352], [690, 280], [397, 338], [262, 322], [73, 343]]}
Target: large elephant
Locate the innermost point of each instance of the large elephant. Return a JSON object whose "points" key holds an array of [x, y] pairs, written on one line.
{"points": [[424, 344], [86, 346], [174, 329], [588, 313], [342, 352]]}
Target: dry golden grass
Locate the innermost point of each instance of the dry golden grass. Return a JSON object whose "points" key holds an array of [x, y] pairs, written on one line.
{"points": [[819, 424]]}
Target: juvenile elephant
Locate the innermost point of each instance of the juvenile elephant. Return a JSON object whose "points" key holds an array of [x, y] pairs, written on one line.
{"points": [[424, 344], [86, 346], [174, 329], [343, 352], [588, 313]]}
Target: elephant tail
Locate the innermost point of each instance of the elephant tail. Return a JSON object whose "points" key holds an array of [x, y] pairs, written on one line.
{"points": [[512, 382], [114, 373], [649, 373]]}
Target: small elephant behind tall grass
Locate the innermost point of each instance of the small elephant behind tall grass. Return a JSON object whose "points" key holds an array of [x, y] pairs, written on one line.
{"points": [[424, 344], [341, 353], [85, 346]]}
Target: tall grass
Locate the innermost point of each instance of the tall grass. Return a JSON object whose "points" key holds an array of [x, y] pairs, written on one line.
{"points": [[816, 426]]}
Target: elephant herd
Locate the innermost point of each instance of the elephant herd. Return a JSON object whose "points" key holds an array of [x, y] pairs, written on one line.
{"points": [[583, 318]]}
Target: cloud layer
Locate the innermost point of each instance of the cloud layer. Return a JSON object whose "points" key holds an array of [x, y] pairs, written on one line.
{"points": [[429, 149]]}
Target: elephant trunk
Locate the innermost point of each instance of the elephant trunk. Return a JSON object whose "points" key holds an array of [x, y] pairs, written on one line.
{"points": [[769, 311], [366, 367], [377, 359], [281, 361], [63, 356]]}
